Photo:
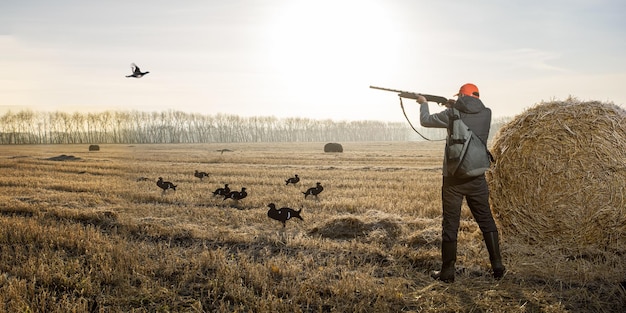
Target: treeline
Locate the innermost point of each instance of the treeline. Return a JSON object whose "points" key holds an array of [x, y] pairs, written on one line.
{"points": [[135, 127]]}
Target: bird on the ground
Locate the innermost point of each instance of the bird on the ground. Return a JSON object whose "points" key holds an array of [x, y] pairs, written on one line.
{"points": [[236, 195], [283, 214], [224, 150], [201, 175], [222, 191], [165, 185], [137, 73], [292, 180], [314, 191]]}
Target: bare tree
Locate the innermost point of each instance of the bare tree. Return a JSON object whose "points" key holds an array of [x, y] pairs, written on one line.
{"points": [[180, 127]]}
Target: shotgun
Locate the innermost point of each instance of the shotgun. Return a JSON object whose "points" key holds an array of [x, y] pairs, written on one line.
{"points": [[413, 95]]}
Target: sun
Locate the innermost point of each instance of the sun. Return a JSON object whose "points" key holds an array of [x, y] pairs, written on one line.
{"points": [[331, 45]]}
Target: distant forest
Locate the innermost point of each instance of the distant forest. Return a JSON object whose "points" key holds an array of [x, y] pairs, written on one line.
{"points": [[135, 127]]}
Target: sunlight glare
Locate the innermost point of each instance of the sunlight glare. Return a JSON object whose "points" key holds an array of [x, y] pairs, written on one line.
{"points": [[322, 49]]}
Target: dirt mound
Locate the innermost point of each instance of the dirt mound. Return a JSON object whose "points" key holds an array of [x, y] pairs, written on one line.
{"points": [[63, 157], [385, 230]]}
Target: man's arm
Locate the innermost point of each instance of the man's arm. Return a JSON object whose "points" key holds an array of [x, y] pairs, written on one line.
{"points": [[437, 120]]}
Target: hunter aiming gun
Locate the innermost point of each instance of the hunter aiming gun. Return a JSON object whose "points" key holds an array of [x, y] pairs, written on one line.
{"points": [[413, 95]]}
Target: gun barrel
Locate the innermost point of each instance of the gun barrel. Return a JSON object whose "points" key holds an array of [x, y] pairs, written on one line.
{"points": [[413, 95], [386, 89]]}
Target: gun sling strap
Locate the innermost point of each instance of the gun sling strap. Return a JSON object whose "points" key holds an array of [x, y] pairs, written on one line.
{"points": [[413, 127]]}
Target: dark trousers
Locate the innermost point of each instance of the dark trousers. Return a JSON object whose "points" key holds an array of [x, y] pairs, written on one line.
{"points": [[476, 193]]}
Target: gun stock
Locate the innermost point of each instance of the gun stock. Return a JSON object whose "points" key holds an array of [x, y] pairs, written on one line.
{"points": [[413, 95]]}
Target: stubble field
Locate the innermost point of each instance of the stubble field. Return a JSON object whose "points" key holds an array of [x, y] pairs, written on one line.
{"points": [[81, 231]]}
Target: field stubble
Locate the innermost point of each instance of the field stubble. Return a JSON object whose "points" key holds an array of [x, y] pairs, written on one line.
{"points": [[87, 234]]}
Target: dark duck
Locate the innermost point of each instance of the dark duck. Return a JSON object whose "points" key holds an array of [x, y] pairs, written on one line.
{"points": [[314, 191], [200, 175], [137, 73], [283, 214], [165, 185], [292, 180], [222, 191], [236, 195]]}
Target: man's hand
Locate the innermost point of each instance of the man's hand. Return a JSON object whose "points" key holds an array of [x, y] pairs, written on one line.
{"points": [[421, 99]]}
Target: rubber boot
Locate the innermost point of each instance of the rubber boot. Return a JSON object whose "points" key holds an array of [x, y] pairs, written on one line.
{"points": [[448, 258], [493, 246]]}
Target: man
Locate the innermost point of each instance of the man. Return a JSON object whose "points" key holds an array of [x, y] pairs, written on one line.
{"points": [[477, 117]]}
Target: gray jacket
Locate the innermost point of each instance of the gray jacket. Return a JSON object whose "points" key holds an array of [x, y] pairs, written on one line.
{"points": [[473, 113]]}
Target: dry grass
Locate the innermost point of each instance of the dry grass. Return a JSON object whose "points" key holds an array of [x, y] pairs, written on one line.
{"points": [[84, 235]]}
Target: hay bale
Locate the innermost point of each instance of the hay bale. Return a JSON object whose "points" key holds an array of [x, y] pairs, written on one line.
{"points": [[560, 174], [94, 148], [333, 147]]}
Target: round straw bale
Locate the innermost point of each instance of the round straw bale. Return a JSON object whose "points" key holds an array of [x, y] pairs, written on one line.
{"points": [[333, 147], [560, 174]]}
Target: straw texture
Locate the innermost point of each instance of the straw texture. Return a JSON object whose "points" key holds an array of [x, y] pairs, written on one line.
{"points": [[560, 174]]}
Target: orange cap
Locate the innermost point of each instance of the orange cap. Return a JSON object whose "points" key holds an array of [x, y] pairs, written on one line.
{"points": [[469, 90]]}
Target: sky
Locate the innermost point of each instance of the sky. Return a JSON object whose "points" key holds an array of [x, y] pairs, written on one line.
{"points": [[310, 59]]}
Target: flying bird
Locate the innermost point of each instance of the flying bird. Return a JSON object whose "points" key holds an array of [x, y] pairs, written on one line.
{"points": [[165, 185], [314, 191], [292, 180], [201, 175], [137, 73], [283, 214]]}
